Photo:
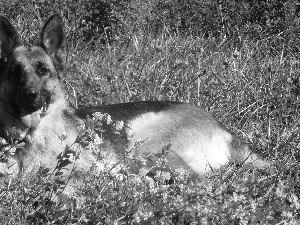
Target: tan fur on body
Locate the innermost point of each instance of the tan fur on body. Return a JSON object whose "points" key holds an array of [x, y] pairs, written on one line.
{"points": [[197, 140], [193, 139]]}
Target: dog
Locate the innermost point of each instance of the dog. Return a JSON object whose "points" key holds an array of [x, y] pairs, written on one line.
{"points": [[36, 120]]}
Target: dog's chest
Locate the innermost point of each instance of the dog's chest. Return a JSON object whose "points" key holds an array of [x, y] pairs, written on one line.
{"points": [[53, 135]]}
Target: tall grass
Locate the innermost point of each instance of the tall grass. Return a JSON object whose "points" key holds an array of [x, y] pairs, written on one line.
{"points": [[249, 85]]}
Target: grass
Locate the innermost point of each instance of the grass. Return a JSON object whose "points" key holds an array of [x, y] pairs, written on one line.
{"points": [[250, 86]]}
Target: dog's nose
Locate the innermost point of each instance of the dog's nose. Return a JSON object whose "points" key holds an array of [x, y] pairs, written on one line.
{"points": [[30, 94]]}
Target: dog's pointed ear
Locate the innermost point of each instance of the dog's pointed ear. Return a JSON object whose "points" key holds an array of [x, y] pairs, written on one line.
{"points": [[53, 39], [9, 37]]}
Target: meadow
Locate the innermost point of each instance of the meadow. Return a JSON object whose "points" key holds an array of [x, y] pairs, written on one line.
{"points": [[246, 76]]}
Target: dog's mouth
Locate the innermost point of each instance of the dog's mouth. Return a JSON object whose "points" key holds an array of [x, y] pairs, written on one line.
{"points": [[31, 116]]}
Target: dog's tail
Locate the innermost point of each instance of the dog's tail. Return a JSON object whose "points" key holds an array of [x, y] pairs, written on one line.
{"points": [[242, 154]]}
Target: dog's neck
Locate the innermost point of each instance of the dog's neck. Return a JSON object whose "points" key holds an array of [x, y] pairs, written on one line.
{"points": [[53, 126], [56, 131]]}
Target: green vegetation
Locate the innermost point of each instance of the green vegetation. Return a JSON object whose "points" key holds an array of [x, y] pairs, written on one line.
{"points": [[237, 59]]}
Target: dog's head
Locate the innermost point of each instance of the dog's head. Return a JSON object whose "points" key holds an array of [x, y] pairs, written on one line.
{"points": [[30, 74]]}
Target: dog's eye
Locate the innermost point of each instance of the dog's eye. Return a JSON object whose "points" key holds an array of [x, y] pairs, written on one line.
{"points": [[41, 69]]}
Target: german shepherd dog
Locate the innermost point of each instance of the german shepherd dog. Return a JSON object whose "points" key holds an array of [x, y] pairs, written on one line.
{"points": [[33, 105]]}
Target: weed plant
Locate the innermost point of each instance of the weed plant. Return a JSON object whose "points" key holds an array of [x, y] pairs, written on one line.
{"points": [[246, 76]]}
